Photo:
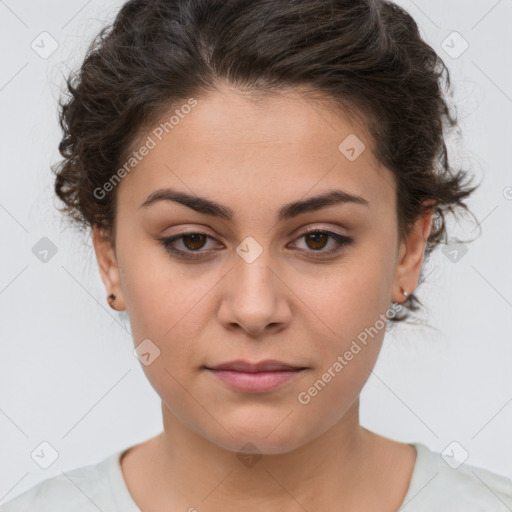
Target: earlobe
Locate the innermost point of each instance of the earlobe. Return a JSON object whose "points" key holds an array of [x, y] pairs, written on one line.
{"points": [[108, 267]]}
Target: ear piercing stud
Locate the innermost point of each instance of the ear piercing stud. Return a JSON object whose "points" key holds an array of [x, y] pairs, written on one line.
{"points": [[111, 298], [406, 294]]}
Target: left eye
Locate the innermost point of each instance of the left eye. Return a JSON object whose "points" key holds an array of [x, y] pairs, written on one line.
{"points": [[194, 241], [317, 240]]}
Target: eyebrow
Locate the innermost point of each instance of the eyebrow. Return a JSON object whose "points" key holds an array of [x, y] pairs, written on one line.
{"points": [[288, 211]]}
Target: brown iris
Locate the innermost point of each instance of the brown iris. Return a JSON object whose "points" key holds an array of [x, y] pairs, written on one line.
{"points": [[317, 238], [197, 241]]}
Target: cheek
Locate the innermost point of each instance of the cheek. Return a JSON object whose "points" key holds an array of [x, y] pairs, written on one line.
{"points": [[346, 360], [162, 296], [169, 305], [352, 306], [374, 273], [353, 295]]}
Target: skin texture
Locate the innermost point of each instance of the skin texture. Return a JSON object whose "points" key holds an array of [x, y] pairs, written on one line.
{"points": [[290, 304]]}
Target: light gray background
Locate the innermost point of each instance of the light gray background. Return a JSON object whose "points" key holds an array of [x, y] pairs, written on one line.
{"points": [[68, 374]]}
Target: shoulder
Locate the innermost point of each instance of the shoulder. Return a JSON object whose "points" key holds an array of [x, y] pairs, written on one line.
{"points": [[440, 482], [82, 489]]}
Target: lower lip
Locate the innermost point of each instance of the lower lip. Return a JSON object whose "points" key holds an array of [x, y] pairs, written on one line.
{"points": [[255, 382]]}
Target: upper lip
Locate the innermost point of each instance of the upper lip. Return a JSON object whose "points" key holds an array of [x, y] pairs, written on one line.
{"points": [[262, 366]]}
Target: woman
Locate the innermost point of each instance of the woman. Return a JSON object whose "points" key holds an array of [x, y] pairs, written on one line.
{"points": [[262, 181]]}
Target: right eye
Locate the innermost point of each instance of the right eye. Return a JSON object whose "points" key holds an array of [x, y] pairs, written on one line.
{"points": [[192, 241]]}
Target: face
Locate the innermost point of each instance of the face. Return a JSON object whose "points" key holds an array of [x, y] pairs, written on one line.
{"points": [[254, 278]]}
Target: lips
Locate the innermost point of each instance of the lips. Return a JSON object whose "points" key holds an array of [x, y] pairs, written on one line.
{"points": [[260, 377], [269, 365]]}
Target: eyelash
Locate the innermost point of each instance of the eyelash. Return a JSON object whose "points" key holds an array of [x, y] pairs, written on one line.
{"points": [[341, 241]]}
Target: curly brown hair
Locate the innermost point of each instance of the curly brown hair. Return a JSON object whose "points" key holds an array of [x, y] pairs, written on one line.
{"points": [[366, 56]]}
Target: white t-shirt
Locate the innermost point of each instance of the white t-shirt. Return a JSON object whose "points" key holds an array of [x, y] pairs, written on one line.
{"points": [[435, 487]]}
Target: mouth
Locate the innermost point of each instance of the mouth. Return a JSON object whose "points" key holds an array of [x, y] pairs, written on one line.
{"points": [[260, 377]]}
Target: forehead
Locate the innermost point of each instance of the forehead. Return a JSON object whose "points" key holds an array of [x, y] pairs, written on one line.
{"points": [[228, 118], [281, 145]]}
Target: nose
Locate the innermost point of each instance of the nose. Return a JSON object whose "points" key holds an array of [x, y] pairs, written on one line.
{"points": [[254, 298]]}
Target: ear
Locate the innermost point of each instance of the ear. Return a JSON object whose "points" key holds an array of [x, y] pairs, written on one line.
{"points": [[108, 266], [410, 256]]}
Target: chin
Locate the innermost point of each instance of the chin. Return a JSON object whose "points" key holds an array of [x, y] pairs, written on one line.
{"points": [[261, 434]]}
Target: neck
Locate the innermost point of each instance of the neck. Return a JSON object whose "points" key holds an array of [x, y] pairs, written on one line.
{"points": [[219, 479]]}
